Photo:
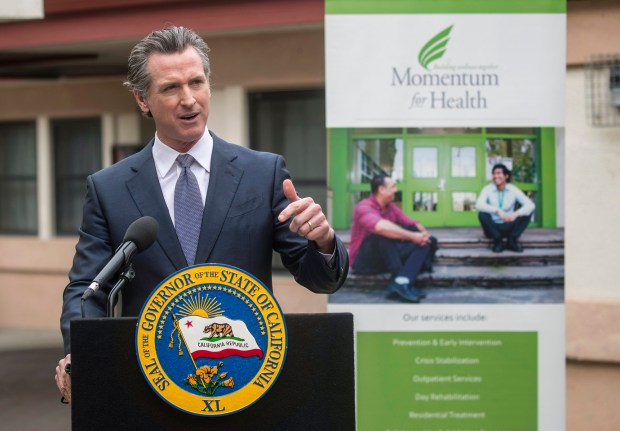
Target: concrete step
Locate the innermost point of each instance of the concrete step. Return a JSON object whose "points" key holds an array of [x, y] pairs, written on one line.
{"points": [[367, 281], [472, 237], [486, 243], [485, 257], [492, 276], [471, 276], [482, 242]]}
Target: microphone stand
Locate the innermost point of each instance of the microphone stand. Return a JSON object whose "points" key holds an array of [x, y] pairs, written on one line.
{"points": [[126, 276]]}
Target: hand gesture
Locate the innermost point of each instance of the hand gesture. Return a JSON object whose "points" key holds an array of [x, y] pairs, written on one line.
{"points": [[308, 219]]}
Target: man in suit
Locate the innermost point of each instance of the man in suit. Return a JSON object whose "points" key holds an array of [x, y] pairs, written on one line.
{"points": [[250, 204]]}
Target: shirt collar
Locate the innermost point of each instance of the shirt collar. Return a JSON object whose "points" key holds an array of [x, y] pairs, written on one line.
{"points": [[376, 204], [498, 190], [165, 157]]}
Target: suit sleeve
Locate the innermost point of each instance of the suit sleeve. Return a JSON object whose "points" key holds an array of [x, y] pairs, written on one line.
{"points": [[93, 250], [299, 255]]}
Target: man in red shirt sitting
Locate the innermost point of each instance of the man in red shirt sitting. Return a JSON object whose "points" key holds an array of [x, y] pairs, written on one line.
{"points": [[385, 239]]}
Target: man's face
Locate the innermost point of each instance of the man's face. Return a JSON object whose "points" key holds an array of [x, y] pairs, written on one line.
{"points": [[178, 98], [499, 178], [388, 190]]}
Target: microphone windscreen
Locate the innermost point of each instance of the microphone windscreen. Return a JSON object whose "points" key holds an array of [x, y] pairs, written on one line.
{"points": [[142, 232]]}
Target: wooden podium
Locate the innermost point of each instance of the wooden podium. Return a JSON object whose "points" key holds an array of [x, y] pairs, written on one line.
{"points": [[315, 390]]}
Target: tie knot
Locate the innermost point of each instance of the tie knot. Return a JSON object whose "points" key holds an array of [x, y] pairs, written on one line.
{"points": [[185, 160]]}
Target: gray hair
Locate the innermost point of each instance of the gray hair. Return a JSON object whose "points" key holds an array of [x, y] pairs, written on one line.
{"points": [[170, 40]]}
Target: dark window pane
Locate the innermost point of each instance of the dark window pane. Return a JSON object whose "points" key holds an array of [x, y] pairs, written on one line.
{"points": [[77, 154], [18, 178], [292, 123]]}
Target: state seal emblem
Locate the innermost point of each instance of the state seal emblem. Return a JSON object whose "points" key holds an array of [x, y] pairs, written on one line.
{"points": [[211, 340]]}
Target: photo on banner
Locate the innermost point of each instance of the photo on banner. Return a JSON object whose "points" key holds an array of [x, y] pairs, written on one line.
{"points": [[433, 96]]}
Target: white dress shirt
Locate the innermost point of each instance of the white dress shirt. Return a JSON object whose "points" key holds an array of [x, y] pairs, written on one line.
{"points": [[168, 170]]}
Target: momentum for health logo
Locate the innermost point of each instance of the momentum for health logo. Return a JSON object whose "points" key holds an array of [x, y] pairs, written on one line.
{"points": [[445, 85], [211, 340], [435, 48]]}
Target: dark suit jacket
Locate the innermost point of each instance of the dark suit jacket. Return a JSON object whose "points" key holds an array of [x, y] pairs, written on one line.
{"points": [[239, 228]]}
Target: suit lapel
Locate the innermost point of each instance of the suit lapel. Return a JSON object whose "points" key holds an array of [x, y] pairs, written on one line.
{"points": [[223, 183], [146, 193]]}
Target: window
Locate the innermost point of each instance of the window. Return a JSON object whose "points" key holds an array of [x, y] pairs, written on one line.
{"points": [[425, 201], [463, 162], [425, 162], [18, 178], [519, 155], [292, 123], [375, 157], [464, 201], [77, 154]]}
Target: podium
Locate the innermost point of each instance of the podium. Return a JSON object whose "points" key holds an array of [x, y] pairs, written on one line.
{"points": [[315, 390]]}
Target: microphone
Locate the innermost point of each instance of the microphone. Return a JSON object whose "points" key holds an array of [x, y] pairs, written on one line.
{"points": [[140, 235]]}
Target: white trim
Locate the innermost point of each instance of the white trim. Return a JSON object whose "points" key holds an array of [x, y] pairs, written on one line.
{"points": [[108, 128], [45, 189], [229, 115]]}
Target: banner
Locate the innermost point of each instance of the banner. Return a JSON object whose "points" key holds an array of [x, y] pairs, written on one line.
{"points": [[433, 94], [439, 69]]}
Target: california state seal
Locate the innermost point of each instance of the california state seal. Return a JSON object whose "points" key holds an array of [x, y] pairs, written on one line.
{"points": [[211, 340]]}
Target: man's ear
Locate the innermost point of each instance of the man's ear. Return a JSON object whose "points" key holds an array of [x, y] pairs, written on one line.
{"points": [[141, 101]]}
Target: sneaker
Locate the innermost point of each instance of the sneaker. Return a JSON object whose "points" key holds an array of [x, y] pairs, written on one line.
{"points": [[514, 245], [403, 292], [498, 246], [421, 294]]}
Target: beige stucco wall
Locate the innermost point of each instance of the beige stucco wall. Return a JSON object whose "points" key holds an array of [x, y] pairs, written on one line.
{"points": [[276, 60], [592, 204], [592, 158], [63, 98], [32, 278]]}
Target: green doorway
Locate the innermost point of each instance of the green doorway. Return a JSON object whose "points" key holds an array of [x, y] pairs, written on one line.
{"points": [[443, 176]]}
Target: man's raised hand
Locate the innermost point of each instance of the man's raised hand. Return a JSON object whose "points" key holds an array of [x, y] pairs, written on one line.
{"points": [[309, 220]]}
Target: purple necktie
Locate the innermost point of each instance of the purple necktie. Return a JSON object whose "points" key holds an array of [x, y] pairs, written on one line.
{"points": [[188, 208]]}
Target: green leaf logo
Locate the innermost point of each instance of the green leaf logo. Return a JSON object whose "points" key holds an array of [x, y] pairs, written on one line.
{"points": [[434, 48]]}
